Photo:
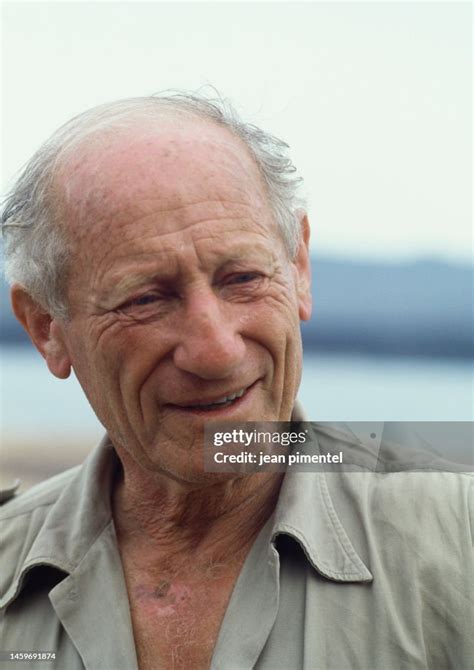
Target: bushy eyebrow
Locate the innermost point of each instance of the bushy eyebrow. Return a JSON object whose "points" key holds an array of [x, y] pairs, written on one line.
{"points": [[132, 281], [248, 253]]}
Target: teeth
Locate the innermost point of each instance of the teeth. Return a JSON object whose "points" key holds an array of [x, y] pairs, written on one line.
{"points": [[222, 401]]}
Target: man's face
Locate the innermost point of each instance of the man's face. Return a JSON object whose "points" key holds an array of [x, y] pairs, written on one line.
{"points": [[184, 305]]}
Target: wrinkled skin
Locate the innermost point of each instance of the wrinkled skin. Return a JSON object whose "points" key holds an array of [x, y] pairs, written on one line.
{"points": [[181, 290]]}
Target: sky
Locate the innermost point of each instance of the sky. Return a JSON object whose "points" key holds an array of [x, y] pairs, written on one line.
{"points": [[374, 99]]}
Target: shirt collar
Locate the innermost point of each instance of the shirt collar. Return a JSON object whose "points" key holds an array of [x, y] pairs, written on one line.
{"points": [[304, 511], [73, 522]]}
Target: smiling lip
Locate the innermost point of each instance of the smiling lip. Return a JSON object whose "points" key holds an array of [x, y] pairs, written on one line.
{"points": [[218, 403]]}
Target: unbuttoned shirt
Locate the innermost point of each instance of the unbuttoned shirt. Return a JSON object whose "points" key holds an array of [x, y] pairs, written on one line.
{"points": [[355, 570]]}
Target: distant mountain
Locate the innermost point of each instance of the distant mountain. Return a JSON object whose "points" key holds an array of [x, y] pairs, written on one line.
{"points": [[421, 308]]}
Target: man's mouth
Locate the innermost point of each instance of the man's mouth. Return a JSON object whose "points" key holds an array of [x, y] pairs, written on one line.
{"points": [[219, 403], [225, 401]]}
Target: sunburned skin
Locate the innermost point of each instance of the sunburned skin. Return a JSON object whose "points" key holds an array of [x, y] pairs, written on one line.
{"points": [[176, 620], [178, 601], [166, 610], [163, 600]]}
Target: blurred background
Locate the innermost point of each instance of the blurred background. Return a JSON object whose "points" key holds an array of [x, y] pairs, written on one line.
{"points": [[374, 99]]}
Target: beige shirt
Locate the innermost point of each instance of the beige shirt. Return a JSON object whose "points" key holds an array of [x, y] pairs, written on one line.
{"points": [[354, 570]]}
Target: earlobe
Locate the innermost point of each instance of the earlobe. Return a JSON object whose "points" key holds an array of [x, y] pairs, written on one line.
{"points": [[303, 268], [45, 332]]}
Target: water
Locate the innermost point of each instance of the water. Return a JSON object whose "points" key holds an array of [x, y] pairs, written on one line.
{"points": [[36, 405], [363, 388]]}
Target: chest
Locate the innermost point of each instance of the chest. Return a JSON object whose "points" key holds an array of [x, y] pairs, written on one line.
{"points": [[176, 623]]}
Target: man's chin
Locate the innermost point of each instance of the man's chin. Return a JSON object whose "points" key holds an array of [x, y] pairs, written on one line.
{"points": [[190, 476]]}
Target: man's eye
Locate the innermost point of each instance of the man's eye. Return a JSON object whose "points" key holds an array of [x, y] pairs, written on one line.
{"points": [[141, 301], [244, 278]]}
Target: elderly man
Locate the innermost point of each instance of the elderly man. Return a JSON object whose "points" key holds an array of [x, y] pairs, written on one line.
{"points": [[158, 248]]}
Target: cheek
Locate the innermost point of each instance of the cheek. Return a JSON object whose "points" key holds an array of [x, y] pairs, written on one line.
{"points": [[277, 317], [134, 360], [96, 361], [280, 324], [128, 347]]}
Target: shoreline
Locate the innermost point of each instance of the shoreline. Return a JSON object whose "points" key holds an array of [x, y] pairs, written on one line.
{"points": [[34, 460]]}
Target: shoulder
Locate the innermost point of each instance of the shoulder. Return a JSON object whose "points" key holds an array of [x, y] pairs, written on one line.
{"points": [[21, 519], [442, 495], [424, 514], [40, 496], [413, 494], [402, 480]]}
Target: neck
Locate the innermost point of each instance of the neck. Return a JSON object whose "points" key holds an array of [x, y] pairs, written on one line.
{"points": [[166, 518]]}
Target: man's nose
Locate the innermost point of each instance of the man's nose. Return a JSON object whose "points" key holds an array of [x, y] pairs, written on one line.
{"points": [[210, 344]]}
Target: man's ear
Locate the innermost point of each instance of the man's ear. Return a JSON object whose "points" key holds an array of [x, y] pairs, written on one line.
{"points": [[303, 269], [45, 331]]}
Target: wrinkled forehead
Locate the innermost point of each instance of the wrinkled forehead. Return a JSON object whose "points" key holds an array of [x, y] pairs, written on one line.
{"points": [[168, 166]]}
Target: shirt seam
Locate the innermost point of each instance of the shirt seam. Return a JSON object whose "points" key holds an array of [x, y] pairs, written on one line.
{"points": [[404, 472], [30, 511], [349, 551]]}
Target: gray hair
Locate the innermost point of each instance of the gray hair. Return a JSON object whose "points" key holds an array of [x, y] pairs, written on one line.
{"points": [[37, 253]]}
